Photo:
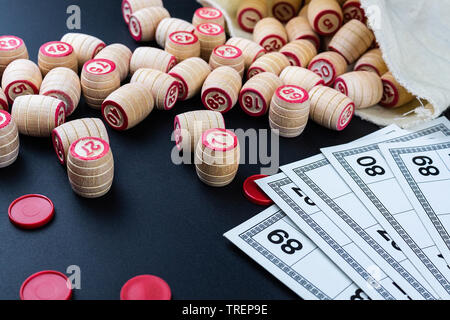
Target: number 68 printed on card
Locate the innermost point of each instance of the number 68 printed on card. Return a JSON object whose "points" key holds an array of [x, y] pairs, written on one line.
{"points": [[423, 171]]}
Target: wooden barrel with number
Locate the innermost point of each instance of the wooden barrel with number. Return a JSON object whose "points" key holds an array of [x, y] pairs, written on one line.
{"points": [[273, 62], [190, 74], [250, 49], [289, 111], [183, 45], [21, 77], [63, 84], [227, 55], [328, 65], [11, 48], [66, 134], [257, 93], [250, 12], [189, 127], [301, 77], [9, 140], [210, 36], [37, 116], [90, 167], [221, 89], [152, 58], [217, 157], [270, 34], [99, 79], [56, 54], [127, 106], [163, 87], [86, 47], [207, 14]]}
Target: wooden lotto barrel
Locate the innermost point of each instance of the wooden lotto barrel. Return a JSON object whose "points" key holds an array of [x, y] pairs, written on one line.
{"points": [[250, 49], [301, 77], [352, 40], [37, 116], [189, 127], [270, 34], [190, 74], [330, 108], [299, 52], [285, 10], [168, 26], [63, 84], [128, 106], [131, 6], [9, 140], [352, 10], [220, 91], [289, 111], [143, 23], [99, 79], [299, 29], [57, 54], [227, 55], [372, 61], [11, 48], [256, 94], [210, 36], [250, 12], [394, 94], [208, 15], [90, 167], [21, 77], [120, 55], [329, 65], [66, 134], [325, 16], [217, 157], [363, 87], [152, 58], [273, 62], [86, 47], [163, 87], [183, 45]]}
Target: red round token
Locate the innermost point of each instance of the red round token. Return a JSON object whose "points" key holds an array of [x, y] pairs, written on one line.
{"points": [[46, 285], [254, 193], [145, 287], [31, 211]]}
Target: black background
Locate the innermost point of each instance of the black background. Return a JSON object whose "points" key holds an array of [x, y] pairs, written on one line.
{"points": [[159, 218]]}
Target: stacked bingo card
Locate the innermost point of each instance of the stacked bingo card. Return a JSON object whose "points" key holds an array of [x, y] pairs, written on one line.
{"points": [[318, 179], [366, 172], [330, 239], [276, 243], [423, 172]]}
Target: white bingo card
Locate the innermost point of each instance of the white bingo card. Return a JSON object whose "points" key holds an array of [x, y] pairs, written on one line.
{"points": [[272, 240], [366, 172], [318, 179], [330, 239], [423, 171]]}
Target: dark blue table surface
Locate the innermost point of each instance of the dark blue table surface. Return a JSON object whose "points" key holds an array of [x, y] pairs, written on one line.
{"points": [[158, 218]]}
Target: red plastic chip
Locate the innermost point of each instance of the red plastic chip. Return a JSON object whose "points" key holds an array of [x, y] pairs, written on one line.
{"points": [[46, 285], [254, 193], [31, 211], [145, 287]]}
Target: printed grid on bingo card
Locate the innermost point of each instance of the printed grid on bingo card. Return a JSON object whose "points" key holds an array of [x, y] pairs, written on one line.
{"points": [[382, 191], [426, 170], [337, 245], [307, 271], [340, 204]]}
